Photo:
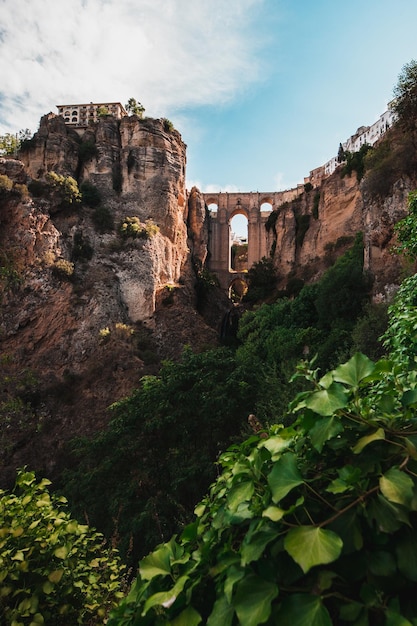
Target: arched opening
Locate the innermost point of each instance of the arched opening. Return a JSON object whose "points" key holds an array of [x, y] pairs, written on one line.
{"points": [[239, 243], [212, 206], [266, 206], [237, 290]]}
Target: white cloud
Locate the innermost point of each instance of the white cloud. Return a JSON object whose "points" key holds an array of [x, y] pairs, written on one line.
{"points": [[166, 53], [212, 187]]}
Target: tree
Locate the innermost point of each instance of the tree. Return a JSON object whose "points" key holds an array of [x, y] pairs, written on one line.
{"points": [[314, 523], [102, 111], [405, 97], [135, 108], [10, 143]]}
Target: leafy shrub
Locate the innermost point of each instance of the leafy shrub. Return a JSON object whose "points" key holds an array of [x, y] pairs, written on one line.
{"points": [[302, 225], [406, 229], [21, 190], [82, 248], [103, 218], [66, 186], [132, 227], [308, 187], [87, 150], [271, 221], [6, 183], [168, 125], [37, 188], [9, 275], [262, 280], [355, 161], [63, 269], [90, 194], [313, 523], [53, 569], [156, 458]]}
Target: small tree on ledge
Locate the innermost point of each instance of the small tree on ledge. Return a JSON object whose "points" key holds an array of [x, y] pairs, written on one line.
{"points": [[135, 108]]}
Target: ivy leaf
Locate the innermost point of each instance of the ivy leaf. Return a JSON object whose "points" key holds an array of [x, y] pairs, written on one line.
{"points": [[409, 397], [273, 513], [188, 617], [253, 599], [275, 445], [166, 598], [157, 562], [310, 546], [301, 609], [406, 552], [395, 619], [222, 613], [254, 545], [388, 516], [327, 401], [55, 576], [363, 441], [355, 370], [242, 492], [397, 487], [325, 429], [283, 477]]}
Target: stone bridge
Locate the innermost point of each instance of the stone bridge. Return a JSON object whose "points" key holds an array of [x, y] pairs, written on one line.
{"points": [[256, 207]]}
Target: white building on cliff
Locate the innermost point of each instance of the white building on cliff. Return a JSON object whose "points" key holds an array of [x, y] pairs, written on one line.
{"points": [[80, 115]]}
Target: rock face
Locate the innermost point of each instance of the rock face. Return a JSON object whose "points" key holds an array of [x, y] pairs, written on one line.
{"points": [[87, 311], [313, 230]]}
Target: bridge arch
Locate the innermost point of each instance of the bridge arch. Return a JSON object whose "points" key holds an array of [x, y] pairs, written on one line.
{"points": [[259, 240]]}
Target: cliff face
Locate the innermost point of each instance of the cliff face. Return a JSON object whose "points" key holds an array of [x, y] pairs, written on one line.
{"points": [[86, 333], [313, 230]]}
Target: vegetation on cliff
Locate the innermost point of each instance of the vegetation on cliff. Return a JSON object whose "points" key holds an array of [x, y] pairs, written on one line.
{"points": [[312, 523]]}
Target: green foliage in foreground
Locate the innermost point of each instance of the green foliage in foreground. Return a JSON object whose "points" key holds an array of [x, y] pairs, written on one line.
{"points": [[315, 524], [53, 570]]}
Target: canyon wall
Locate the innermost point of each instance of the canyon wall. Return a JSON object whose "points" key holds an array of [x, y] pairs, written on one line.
{"points": [[85, 311]]}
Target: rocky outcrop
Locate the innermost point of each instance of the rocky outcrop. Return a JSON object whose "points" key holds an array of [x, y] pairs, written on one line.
{"points": [[86, 311], [313, 230]]}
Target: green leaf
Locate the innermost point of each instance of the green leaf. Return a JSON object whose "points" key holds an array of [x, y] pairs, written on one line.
{"points": [[188, 617], [300, 609], [61, 552], [253, 599], [55, 576], [397, 487], [273, 513], [355, 370], [156, 563], [406, 551], [166, 598], [310, 546], [254, 544], [233, 576], [284, 476], [388, 516], [378, 435], [222, 613], [242, 492], [325, 429], [395, 619], [276, 445], [409, 397], [327, 401], [382, 563]]}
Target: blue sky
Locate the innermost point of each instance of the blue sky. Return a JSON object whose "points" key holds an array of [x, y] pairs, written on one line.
{"points": [[262, 91]]}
